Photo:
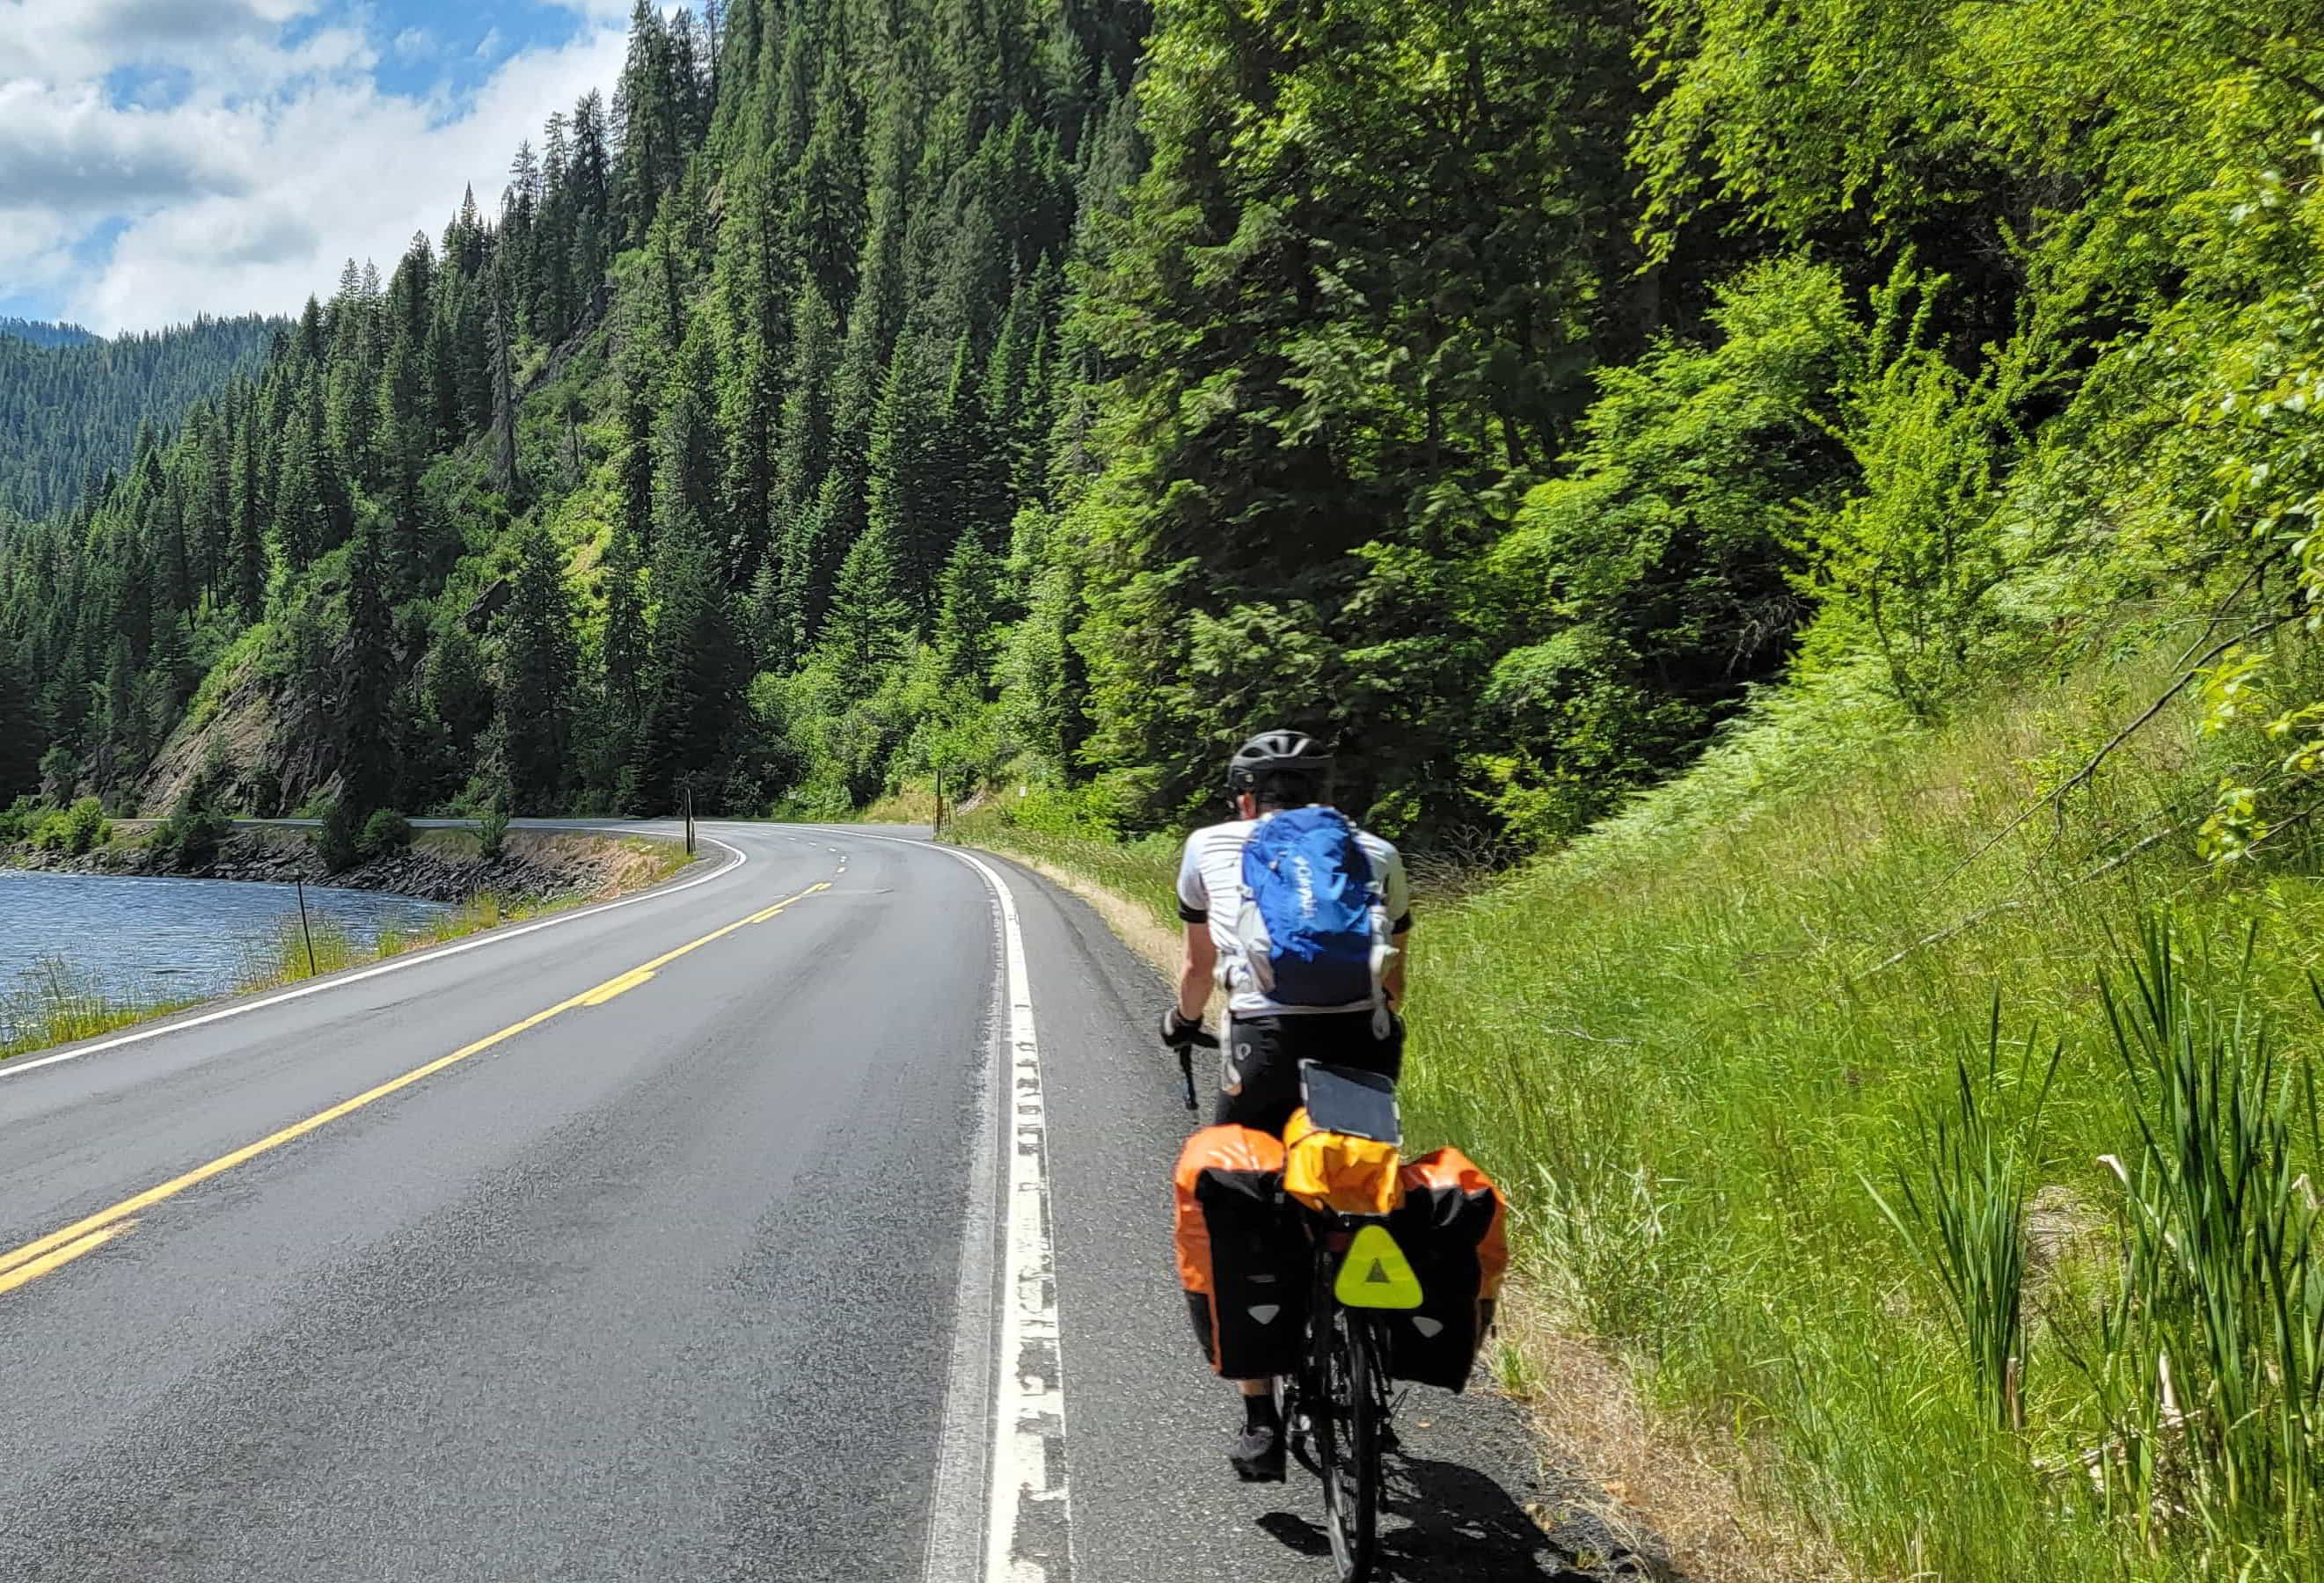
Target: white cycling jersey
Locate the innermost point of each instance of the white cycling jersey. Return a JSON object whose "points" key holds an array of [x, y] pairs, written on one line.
{"points": [[1210, 890]]}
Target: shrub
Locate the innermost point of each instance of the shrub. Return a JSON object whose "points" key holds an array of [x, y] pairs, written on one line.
{"points": [[263, 794], [492, 832], [75, 830], [190, 836], [338, 842], [386, 830], [18, 822]]}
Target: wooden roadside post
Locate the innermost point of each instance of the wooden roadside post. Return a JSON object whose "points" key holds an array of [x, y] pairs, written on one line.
{"points": [[304, 927]]}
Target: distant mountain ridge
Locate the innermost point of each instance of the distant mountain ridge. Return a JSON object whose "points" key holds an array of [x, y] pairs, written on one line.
{"points": [[72, 403], [44, 333]]}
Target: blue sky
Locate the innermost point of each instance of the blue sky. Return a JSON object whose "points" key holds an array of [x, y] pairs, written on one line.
{"points": [[163, 157]]}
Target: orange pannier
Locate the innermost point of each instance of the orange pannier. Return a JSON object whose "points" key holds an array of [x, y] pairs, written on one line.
{"points": [[1452, 1227], [1242, 1256]]}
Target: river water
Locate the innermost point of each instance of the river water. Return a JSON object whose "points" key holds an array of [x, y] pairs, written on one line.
{"points": [[138, 940]]}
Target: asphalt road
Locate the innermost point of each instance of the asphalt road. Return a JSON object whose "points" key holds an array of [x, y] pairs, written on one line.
{"points": [[670, 1240]]}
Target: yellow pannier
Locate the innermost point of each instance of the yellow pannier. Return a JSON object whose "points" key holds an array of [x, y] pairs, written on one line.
{"points": [[1335, 1171]]}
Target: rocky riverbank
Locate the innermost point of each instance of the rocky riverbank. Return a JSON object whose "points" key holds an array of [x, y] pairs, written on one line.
{"points": [[535, 867]]}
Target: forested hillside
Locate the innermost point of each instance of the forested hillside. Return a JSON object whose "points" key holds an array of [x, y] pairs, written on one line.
{"points": [[871, 386], [41, 333], [72, 404]]}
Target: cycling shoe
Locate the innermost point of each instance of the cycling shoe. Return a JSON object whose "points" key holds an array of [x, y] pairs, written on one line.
{"points": [[1257, 1456]]}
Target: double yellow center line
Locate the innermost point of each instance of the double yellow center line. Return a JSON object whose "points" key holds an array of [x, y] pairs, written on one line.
{"points": [[60, 1247]]}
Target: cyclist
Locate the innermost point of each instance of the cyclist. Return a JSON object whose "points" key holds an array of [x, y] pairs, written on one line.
{"points": [[1266, 1041]]}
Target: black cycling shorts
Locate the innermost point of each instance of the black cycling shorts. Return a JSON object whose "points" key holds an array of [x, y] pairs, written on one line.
{"points": [[1259, 1062]]}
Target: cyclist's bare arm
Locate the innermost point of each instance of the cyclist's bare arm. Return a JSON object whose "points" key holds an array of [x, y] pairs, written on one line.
{"points": [[1194, 972], [1392, 980]]}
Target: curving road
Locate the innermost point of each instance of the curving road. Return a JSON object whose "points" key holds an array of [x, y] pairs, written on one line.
{"points": [[685, 1238]]}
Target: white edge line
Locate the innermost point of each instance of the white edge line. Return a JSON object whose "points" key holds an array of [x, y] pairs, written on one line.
{"points": [[958, 1492], [1028, 1488], [23, 1063]]}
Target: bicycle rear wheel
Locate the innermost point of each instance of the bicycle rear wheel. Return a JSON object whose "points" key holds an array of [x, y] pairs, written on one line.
{"points": [[1348, 1442]]}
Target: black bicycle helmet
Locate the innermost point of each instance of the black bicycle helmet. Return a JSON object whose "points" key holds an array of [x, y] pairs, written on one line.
{"points": [[1272, 753]]}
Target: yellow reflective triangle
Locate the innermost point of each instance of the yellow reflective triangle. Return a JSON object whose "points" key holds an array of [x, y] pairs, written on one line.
{"points": [[1376, 1274]]}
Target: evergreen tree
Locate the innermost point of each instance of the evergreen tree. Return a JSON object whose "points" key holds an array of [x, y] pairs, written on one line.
{"points": [[635, 480], [368, 728], [969, 614], [696, 667], [625, 661], [246, 549], [872, 622], [536, 672], [457, 701], [20, 741]]}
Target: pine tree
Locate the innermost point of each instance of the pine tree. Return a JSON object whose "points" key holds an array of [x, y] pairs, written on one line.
{"points": [[536, 672], [626, 660], [649, 111], [118, 725], [969, 612], [246, 550], [827, 211], [502, 330], [872, 622], [687, 469], [697, 665], [910, 506], [457, 696], [365, 713], [634, 481], [21, 745]]}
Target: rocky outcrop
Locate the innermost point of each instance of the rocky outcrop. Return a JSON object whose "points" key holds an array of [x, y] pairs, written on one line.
{"points": [[235, 725]]}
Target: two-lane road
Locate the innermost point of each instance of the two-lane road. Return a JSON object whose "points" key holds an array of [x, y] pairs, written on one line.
{"points": [[683, 1239]]}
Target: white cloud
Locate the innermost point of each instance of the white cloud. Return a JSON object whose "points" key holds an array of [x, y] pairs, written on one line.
{"points": [[63, 42], [36, 258], [411, 44], [278, 163], [489, 45], [67, 152]]}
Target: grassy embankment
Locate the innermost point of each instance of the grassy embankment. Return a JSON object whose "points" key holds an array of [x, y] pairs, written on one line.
{"points": [[1938, 1175], [56, 1007]]}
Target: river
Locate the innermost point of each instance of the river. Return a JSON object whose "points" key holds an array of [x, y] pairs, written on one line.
{"points": [[139, 941]]}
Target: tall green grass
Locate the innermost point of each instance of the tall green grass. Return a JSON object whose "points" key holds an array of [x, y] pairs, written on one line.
{"points": [[1788, 1081], [1950, 1168], [54, 1005]]}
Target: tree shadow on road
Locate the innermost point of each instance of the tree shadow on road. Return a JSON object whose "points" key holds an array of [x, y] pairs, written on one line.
{"points": [[1444, 1521]]}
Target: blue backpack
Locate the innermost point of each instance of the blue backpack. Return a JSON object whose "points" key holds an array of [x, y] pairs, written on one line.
{"points": [[1312, 915]]}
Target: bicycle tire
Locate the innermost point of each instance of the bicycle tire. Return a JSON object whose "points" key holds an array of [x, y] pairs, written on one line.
{"points": [[1348, 1425]]}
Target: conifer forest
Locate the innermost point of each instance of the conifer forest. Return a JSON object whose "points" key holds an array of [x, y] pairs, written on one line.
{"points": [[72, 404], [1044, 394]]}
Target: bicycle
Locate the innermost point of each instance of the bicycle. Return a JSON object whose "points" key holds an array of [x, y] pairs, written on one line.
{"points": [[1337, 1411]]}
